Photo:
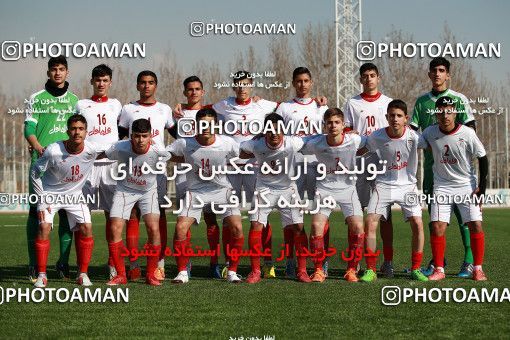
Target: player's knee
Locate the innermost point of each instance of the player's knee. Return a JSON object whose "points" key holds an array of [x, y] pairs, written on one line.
{"points": [[256, 226], [85, 229], [371, 222], [438, 229], [317, 228]]}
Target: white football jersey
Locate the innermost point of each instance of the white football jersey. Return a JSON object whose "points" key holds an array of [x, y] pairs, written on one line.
{"points": [[276, 159], [400, 154], [299, 110], [159, 114], [230, 110], [59, 172], [205, 157], [330, 155], [102, 115], [366, 114], [453, 155], [133, 165], [189, 115]]}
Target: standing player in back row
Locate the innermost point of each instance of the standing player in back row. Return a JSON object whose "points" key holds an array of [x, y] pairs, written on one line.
{"points": [[160, 117], [453, 147], [364, 114], [303, 108], [102, 114], [423, 117], [45, 123]]}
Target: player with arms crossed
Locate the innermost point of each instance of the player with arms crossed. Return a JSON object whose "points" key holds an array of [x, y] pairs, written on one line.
{"points": [[205, 152], [45, 123], [453, 147], [62, 171], [160, 117], [364, 114], [303, 108], [243, 108], [274, 150], [138, 187], [102, 114], [423, 117], [398, 146], [331, 149]]}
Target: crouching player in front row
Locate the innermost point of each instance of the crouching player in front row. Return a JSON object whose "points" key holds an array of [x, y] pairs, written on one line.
{"points": [[273, 150], [398, 146], [136, 186], [331, 149], [453, 147], [62, 171]]}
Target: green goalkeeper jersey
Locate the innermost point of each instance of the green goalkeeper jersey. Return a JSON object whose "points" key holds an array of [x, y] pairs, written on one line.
{"points": [[424, 115], [46, 117]]}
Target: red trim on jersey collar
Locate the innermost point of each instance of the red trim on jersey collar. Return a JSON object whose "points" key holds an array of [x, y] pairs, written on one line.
{"points": [[341, 142], [299, 102], [146, 104], [272, 147], [246, 102], [214, 140], [455, 129], [143, 153], [371, 97], [73, 153], [387, 129], [99, 99]]}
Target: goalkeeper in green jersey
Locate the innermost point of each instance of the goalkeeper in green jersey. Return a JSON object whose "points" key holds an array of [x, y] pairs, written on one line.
{"points": [[45, 123], [424, 116]]}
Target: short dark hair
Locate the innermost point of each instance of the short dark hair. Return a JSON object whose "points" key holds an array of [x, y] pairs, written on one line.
{"points": [[439, 61], [273, 117], [74, 119], [301, 70], [397, 104], [146, 73], [241, 75], [141, 125], [333, 111], [368, 67], [207, 112], [444, 101], [101, 71], [54, 61], [191, 80]]}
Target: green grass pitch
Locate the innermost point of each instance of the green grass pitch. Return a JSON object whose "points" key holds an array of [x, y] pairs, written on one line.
{"points": [[286, 309]]}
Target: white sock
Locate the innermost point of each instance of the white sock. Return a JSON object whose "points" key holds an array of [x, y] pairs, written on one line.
{"points": [[478, 267], [161, 263]]}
